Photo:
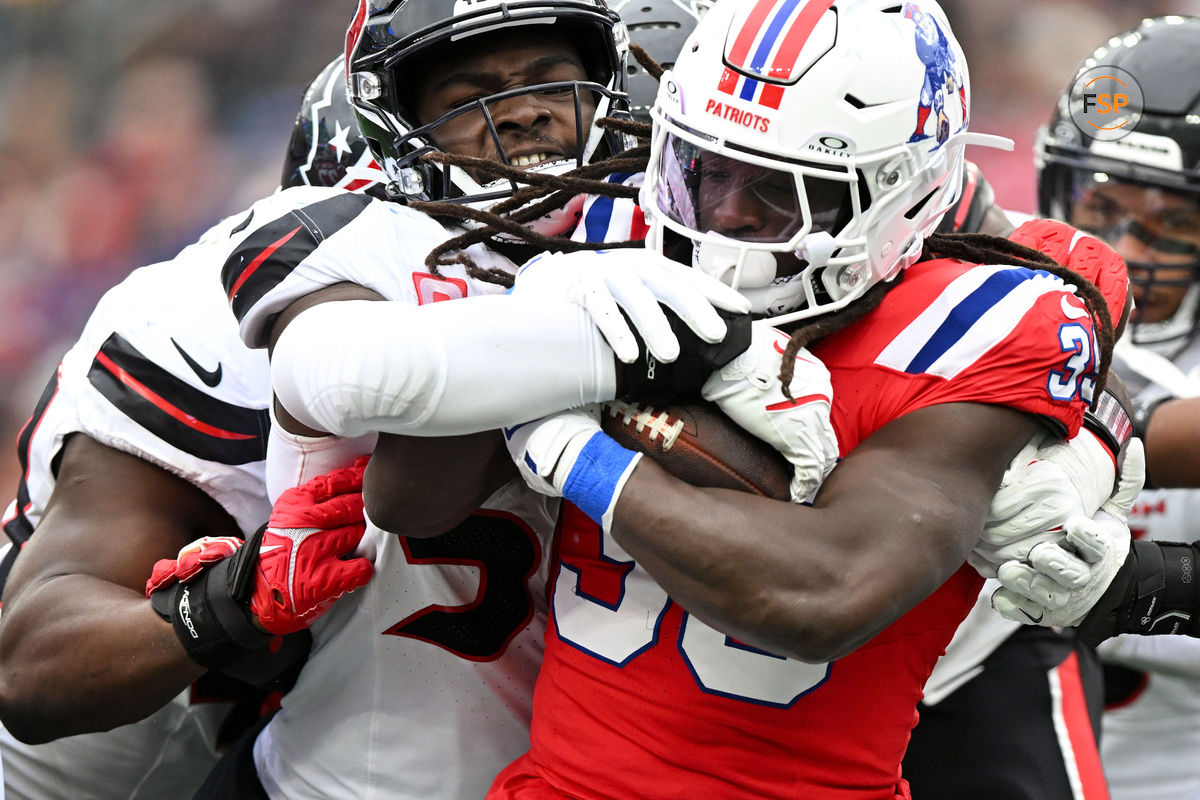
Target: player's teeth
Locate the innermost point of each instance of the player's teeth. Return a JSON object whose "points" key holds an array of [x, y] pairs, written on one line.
{"points": [[525, 161]]}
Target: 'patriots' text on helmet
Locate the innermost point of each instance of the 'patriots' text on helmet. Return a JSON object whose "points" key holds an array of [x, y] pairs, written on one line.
{"points": [[390, 44], [1141, 192], [326, 148], [807, 149]]}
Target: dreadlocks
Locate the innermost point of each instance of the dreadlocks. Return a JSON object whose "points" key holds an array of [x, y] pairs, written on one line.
{"points": [[507, 221]]}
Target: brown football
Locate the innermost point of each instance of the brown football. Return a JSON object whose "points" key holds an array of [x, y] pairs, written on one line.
{"points": [[698, 444]]}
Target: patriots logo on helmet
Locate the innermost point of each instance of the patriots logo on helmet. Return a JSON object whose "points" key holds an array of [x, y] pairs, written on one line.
{"points": [[942, 77]]}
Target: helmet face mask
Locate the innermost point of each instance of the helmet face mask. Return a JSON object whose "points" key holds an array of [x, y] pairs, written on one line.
{"points": [[395, 46], [855, 137], [1139, 193]]}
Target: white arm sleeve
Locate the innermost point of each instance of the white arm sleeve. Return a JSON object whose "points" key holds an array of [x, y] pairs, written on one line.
{"points": [[1173, 655], [357, 366], [293, 459]]}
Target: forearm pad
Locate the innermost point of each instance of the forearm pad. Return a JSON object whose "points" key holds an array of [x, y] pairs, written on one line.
{"points": [[650, 380], [211, 617], [1155, 592]]}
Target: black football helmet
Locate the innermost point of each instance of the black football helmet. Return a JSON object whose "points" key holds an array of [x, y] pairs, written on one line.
{"points": [[326, 148], [1162, 151], [661, 27], [387, 36]]}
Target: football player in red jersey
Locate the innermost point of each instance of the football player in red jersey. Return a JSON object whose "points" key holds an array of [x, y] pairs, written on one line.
{"points": [[944, 371]]}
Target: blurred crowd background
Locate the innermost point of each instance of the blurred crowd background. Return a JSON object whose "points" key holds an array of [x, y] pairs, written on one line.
{"points": [[127, 127]]}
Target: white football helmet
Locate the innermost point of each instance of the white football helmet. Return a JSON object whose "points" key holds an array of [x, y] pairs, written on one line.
{"points": [[808, 148]]}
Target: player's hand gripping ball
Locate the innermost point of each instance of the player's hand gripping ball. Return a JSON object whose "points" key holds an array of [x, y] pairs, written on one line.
{"points": [[698, 444]]}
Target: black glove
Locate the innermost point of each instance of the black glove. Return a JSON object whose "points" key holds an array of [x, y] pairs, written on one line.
{"points": [[211, 616], [649, 380], [1155, 592]]}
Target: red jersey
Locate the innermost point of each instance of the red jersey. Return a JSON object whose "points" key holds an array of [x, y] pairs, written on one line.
{"points": [[638, 699]]}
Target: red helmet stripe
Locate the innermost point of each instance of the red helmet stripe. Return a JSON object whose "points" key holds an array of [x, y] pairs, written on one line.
{"points": [[354, 33], [749, 32], [797, 37]]}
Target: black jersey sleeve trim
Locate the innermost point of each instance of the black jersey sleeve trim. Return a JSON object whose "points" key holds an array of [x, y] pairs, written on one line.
{"points": [[273, 251], [19, 528], [179, 414]]}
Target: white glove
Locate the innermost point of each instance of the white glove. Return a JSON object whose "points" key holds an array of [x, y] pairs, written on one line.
{"points": [[748, 390], [567, 455], [1061, 580], [635, 280], [1047, 483]]}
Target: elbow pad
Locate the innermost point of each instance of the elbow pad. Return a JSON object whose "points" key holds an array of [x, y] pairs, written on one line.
{"points": [[358, 366]]}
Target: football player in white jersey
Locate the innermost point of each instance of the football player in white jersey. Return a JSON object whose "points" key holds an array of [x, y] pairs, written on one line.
{"points": [[140, 399], [419, 684], [1140, 194], [153, 430]]}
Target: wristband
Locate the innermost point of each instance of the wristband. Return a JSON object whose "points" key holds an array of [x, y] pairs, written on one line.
{"points": [[1110, 422], [599, 472], [1142, 412], [210, 616], [1154, 593], [212, 624]]}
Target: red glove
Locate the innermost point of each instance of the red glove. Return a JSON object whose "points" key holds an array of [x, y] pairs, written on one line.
{"points": [[193, 559], [304, 561]]}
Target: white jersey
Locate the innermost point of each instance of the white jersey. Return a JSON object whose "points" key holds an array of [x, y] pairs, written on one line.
{"points": [[159, 372], [1150, 745], [419, 685]]}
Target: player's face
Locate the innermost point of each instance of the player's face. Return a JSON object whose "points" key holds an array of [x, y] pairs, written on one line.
{"points": [[1147, 225], [532, 128], [746, 202]]}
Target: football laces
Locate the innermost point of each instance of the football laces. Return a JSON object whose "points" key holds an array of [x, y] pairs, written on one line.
{"points": [[645, 418]]}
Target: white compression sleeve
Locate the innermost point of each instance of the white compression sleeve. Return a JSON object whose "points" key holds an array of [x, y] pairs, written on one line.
{"points": [[293, 459], [445, 369]]}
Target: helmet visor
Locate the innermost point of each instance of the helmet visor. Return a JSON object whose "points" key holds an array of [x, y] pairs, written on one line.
{"points": [[711, 192]]}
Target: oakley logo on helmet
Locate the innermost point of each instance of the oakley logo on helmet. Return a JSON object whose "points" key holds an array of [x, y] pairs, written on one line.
{"points": [[831, 146], [1105, 102]]}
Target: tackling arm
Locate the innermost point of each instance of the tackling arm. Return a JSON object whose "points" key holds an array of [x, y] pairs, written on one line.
{"points": [[1172, 438], [80, 648], [892, 522]]}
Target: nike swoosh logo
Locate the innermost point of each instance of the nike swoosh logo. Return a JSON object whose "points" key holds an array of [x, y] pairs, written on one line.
{"points": [[209, 377]]}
